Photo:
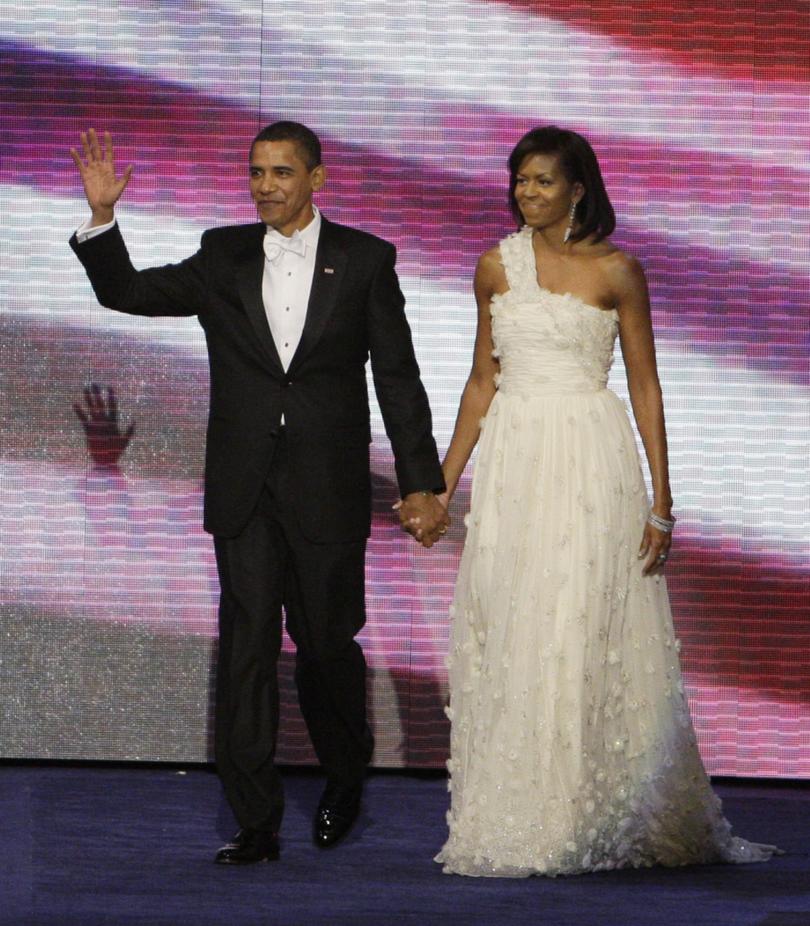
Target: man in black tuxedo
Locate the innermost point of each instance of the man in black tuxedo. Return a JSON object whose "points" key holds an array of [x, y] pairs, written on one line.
{"points": [[292, 307]]}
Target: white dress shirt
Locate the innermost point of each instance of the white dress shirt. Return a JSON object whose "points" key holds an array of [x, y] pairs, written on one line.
{"points": [[287, 283], [84, 232]]}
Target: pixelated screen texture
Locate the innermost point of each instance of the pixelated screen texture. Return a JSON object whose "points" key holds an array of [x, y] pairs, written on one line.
{"points": [[699, 117]]}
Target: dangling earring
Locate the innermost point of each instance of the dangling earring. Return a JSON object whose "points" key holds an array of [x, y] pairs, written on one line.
{"points": [[571, 213]]}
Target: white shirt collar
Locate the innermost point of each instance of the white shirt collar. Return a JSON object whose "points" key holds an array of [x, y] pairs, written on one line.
{"points": [[309, 234]]}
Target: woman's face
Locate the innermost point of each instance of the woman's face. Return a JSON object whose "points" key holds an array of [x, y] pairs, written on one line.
{"points": [[543, 193]]}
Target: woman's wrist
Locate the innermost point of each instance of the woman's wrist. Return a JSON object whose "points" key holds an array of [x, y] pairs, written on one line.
{"points": [[662, 504], [665, 525]]}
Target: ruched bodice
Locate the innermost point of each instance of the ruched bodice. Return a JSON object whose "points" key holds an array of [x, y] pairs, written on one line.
{"points": [[547, 343]]}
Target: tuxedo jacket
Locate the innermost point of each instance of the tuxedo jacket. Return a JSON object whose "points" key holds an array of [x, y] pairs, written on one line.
{"points": [[355, 311]]}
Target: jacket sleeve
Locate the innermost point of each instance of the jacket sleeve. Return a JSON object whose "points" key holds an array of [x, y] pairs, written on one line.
{"points": [[401, 395], [176, 289]]}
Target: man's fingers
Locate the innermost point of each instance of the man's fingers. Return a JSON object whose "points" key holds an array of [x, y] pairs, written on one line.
{"points": [[95, 148], [80, 414], [123, 180], [427, 526], [87, 144]]}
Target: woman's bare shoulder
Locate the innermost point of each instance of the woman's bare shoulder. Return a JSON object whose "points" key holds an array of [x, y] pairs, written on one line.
{"points": [[491, 258], [489, 274], [615, 260], [621, 269]]}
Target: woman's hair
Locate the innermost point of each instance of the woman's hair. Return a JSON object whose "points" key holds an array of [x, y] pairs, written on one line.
{"points": [[594, 212]]}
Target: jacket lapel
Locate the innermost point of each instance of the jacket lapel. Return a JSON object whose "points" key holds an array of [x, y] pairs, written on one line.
{"points": [[249, 273], [330, 265]]}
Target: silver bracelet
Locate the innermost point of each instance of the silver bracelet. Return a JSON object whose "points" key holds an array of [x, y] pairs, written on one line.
{"points": [[662, 524]]}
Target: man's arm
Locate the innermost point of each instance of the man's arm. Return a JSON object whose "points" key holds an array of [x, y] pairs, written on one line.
{"points": [[404, 405], [177, 289]]}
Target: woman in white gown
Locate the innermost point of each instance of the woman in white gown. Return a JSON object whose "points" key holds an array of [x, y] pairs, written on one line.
{"points": [[572, 748]]}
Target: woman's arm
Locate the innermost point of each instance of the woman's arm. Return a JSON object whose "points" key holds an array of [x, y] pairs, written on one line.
{"points": [[480, 387], [638, 350]]}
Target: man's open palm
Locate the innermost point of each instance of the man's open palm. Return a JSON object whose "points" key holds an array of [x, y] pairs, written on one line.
{"points": [[101, 185]]}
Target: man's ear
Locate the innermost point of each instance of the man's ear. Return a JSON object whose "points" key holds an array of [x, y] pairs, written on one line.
{"points": [[318, 177]]}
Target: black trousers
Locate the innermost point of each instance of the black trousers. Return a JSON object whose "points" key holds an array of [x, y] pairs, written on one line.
{"points": [[320, 587]]}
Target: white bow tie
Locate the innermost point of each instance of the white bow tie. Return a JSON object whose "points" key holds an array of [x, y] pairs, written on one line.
{"points": [[276, 244]]}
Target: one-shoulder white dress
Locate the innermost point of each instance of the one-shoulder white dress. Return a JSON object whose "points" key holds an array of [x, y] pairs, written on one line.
{"points": [[572, 748]]}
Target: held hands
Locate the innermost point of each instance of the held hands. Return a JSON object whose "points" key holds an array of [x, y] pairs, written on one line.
{"points": [[424, 516], [102, 187]]}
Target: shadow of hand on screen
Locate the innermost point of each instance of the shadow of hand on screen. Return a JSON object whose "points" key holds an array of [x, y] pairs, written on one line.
{"points": [[99, 418]]}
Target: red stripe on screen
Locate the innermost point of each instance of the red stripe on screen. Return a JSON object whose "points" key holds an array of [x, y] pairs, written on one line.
{"points": [[743, 41]]}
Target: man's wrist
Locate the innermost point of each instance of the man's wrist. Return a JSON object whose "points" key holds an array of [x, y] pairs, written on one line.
{"points": [[101, 217]]}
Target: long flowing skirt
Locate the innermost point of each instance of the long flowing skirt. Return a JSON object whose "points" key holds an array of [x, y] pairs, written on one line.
{"points": [[572, 747]]}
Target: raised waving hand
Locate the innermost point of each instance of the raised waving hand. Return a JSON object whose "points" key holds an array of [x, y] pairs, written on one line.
{"points": [[102, 186]]}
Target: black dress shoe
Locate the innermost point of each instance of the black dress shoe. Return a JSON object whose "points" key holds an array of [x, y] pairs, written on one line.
{"points": [[248, 847], [335, 816]]}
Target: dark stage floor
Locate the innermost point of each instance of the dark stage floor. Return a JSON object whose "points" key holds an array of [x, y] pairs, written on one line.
{"points": [[92, 845]]}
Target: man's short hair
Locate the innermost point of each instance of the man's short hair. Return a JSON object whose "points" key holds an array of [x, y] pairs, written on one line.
{"points": [[305, 140]]}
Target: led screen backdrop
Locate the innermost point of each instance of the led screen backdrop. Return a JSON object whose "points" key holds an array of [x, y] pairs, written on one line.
{"points": [[699, 115]]}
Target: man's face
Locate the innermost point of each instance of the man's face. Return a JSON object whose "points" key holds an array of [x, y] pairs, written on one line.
{"points": [[282, 186]]}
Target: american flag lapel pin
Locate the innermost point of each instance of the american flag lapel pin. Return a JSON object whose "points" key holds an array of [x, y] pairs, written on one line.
{"points": [[328, 269]]}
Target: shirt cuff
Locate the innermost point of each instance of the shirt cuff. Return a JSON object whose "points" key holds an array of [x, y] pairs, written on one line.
{"points": [[84, 232]]}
